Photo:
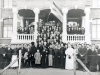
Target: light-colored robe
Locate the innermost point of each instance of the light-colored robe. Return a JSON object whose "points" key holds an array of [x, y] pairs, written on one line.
{"points": [[69, 64]]}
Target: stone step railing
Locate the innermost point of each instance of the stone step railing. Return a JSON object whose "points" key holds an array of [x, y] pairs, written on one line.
{"points": [[76, 38]]}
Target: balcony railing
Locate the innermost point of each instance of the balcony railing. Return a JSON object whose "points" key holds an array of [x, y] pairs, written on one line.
{"points": [[76, 38], [28, 38], [25, 38]]}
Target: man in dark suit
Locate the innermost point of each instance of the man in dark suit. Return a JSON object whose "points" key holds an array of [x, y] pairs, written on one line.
{"points": [[8, 55], [32, 52], [3, 51], [82, 54]]}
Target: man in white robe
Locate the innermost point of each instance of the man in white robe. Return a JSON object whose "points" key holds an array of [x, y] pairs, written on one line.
{"points": [[69, 64]]}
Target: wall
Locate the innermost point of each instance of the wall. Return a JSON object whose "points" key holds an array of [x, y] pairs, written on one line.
{"points": [[43, 4]]}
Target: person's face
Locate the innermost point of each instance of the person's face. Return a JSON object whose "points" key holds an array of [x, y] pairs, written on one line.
{"points": [[22, 45], [66, 46], [80, 46], [28, 47], [37, 50], [15, 46], [61, 45], [9, 46], [44, 43], [31, 28], [57, 43], [20, 27], [93, 48], [69, 45]]}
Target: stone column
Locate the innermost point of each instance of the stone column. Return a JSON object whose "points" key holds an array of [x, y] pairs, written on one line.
{"points": [[87, 25], [22, 25], [14, 36], [1, 27], [15, 12], [83, 21], [64, 32], [1, 19], [36, 11]]}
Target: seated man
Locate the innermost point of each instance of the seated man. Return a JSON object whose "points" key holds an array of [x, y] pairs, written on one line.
{"points": [[26, 31], [31, 30], [19, 30]]}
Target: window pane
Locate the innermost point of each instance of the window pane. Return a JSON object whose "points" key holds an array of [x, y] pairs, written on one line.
{"points": [[10, 3], [10, 28], [9, 33], [5, 28], [98, 27], [93, 28], [5, 34], [98, 35], [98, 21], [6, 3], [10, 21], [6, 21], [94, 22], [98, 2], [93, 35]]}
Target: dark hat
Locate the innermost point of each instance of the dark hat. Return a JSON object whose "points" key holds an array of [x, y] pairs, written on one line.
{"points": [[32, 43]]}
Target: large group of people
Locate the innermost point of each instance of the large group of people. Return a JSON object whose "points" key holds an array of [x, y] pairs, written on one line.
{"points": [[56, 55], [50, 33], [50, 51], [75, 28], [25, 30]]}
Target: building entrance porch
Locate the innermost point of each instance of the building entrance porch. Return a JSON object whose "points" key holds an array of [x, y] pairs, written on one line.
{"points": [[27, 38]]}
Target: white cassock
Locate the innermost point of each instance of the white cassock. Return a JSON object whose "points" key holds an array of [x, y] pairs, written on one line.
{"points": [[69, 64]]}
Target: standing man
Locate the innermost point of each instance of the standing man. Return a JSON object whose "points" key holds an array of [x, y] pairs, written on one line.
{"points": [[69, 57], [8, 55], [32, 52], [3, 57], [50, 56], [82, 54], [62, 54]]}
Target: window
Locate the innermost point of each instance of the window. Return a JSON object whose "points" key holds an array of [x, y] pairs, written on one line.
{"points": [[96, 29], [96, 3], [7, 29], [7, 3]]}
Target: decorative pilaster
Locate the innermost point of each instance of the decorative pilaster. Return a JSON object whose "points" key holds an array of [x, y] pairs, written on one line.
{"points": [[87, 25], [1, 26], [64, 32], [15, 12], [14, 36], [83, 21], [36, 11], [22, 25]]}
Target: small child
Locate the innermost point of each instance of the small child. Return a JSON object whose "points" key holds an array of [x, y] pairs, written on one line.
{"points": [[26, 59], [37, 57]]}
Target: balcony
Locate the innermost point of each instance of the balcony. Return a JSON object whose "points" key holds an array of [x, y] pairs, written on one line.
{"points": [[22, 38], [76, 38], [28, 38]]}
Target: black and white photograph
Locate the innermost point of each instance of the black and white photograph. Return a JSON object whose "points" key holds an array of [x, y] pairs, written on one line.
{"points": [[49, 37]]}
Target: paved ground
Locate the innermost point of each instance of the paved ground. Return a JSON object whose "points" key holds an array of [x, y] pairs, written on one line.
{"points": [[47, 71]]}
